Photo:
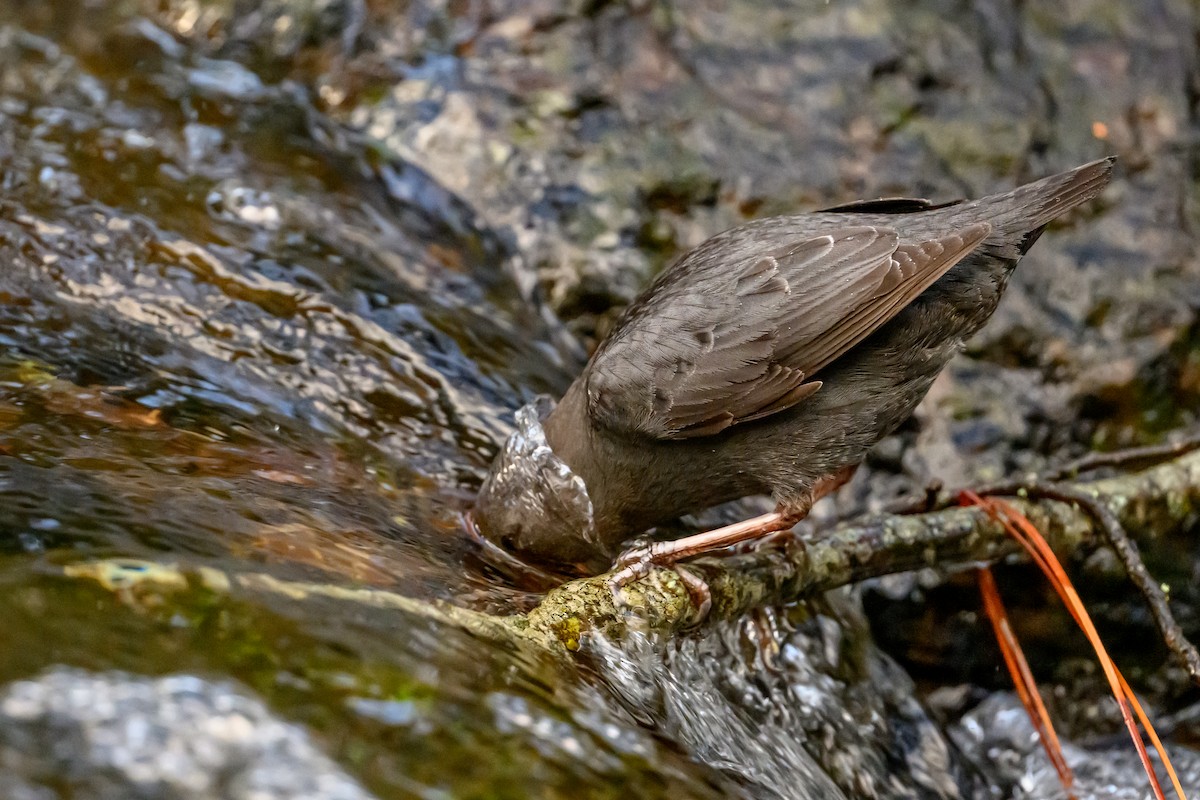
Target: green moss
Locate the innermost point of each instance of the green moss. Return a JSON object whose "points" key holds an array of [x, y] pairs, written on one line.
{"points": [[407, 694]]}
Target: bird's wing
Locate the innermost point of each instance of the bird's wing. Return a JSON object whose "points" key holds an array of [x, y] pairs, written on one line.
{"points": [[732, 333]]}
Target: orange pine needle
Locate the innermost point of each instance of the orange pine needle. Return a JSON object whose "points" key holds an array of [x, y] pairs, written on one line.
{"points": [[1153, 734], [1022, 676], [1021, 529]]}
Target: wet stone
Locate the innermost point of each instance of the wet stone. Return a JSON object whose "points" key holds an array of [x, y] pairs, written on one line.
{"points": [[110, 736]]}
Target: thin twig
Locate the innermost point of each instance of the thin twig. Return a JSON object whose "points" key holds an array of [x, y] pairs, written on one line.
{"points": [[933, 498], [1020, 528], [1132, 456], [1022, 677]]}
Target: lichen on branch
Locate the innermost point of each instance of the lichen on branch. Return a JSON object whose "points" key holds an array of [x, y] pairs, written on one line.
{"points": [[1148, 504]]}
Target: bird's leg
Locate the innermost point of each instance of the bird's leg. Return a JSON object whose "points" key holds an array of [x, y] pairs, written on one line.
{"points": [[823, 488], [637, 562]]}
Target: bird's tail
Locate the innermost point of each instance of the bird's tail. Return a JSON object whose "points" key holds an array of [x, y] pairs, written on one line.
{"points": [[1023, 212], [1019, 216]]}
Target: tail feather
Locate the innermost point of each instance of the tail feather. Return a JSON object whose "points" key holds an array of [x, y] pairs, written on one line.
{"points": [[1026, 209]]}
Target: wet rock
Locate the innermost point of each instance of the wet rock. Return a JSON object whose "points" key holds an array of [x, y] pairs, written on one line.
{"points": [[998, 737], [70, 733]]}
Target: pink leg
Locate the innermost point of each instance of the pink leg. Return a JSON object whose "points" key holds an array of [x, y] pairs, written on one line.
{"points": [[727, 536], [637, 562]]}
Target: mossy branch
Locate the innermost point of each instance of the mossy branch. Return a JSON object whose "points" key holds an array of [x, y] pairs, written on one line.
{"points": [[1148, 504]]}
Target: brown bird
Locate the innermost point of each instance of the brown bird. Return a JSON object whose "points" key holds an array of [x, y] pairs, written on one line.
{"points": [[768, 360]]}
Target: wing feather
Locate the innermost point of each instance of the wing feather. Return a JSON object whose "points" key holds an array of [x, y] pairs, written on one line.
{"points": [[735, 332]]}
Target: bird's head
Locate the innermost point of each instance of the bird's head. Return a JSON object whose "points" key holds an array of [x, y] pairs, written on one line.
{"points": [[531, 503]]}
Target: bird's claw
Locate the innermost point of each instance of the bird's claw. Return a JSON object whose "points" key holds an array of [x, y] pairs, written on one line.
{"points": [[638, 561], [634, 563], [697, 589]]}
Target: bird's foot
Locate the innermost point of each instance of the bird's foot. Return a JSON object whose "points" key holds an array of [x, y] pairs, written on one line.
{"points": [[635, 562], [638, 561], [698, 591]]}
